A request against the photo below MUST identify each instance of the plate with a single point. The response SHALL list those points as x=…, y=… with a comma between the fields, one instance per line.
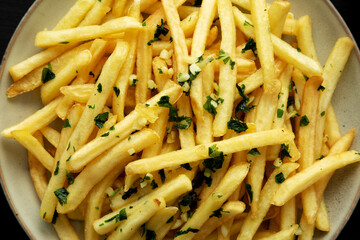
x=341, y=195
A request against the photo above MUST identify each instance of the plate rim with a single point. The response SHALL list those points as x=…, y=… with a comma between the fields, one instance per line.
x=9, y=47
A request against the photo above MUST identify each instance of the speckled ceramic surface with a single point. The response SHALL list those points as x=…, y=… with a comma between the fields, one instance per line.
x=342, y=193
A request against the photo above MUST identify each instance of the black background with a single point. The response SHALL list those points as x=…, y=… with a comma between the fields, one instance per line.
x=11, y=12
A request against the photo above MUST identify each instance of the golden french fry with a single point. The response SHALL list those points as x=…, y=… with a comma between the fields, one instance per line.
x=52, y=135
x=304, y=37
x=34, y=146
x=227, y=73
x=188, y=155
x=331, y=75
x=50, y=38
x=263, y=43
x=74, y=16
x=142, y=213
x=36, y=121
x=278, y=12
x=310, y=175
x=59, y=172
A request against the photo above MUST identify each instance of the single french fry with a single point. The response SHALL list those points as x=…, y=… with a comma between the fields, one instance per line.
x=143, y=65
x=232, y=179
x=52, y=135
x=160, y=218
x=74, y=16
x=343, y=144
x=134, y=222
x=187, y=136
x=332, y=129
x=265, y=113
x=188, y=155
x=198, y=45
x=263, y=43
x=229, y=210
x=142, y=213
x=97, y=13
x=304, y=37
x=118, y=8
x=284, y=234
x=332, y=71
x=279, y=117
x=227, y=73
x=188, y=24
x=37, y=170
x=322, y=221
x=50, y=38
x=34, y=146
x=78, y=93
x=306, y=140
x=204, y=127
x=310, y=175
x=59, y=172
x=50, y=89
x=36, y=121
x=278, y=12
x=122, y=83
x=251, y=222
x=290, y=26
x=169, y=191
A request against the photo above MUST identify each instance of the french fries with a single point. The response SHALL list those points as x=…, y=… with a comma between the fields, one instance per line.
x=182, y=120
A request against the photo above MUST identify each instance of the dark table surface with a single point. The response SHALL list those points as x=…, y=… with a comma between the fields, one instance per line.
x=11, y=12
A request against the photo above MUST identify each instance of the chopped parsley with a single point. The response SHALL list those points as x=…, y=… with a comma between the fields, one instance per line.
x=254, y=152
x=118, y=217
x=182, y=122
x=47, y=74
x=186, y=166
x=116, y=91
x=284, y=151
x=69, y=177
x=180, y=232
x=150, y=235
x=99, y=88
x=56, y=171
x=243, y=105
x=279, y=113
x=66, y=124
x=100, y=119
x=218, y=213
x=216, y=159
x=249, y=191
x=226, y=58
x=128, y=194
x=160, y=30
x=211, y=104
x=237, y=125
x=162, y=175
x=279, y=178
x=304, y=121
x=250, y=45
x=61, y=195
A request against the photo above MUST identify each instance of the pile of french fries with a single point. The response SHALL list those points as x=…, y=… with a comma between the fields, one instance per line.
x=182, y=120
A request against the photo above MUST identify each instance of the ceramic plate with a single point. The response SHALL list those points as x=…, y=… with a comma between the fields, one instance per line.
x=341, y=195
